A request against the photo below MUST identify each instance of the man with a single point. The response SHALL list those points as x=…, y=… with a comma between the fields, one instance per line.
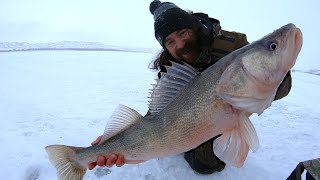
x=198, y=40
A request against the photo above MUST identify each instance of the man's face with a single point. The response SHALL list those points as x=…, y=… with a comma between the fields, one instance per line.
x=182, y=45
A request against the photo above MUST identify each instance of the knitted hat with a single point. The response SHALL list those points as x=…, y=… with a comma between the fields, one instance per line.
x=168, y=18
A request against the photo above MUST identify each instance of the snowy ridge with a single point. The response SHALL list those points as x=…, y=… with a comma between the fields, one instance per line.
x=310, y=71
x=68, y=45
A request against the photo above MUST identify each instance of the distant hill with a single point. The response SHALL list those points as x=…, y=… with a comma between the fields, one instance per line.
x=69, y=45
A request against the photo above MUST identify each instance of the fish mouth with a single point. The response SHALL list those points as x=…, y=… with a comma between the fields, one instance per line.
x=292, y=36
x=297, y=34
x=298, y=40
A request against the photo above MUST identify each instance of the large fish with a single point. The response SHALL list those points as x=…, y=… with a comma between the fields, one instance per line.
x=189, y=108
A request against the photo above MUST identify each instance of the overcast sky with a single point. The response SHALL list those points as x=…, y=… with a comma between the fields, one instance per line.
x=130, y=22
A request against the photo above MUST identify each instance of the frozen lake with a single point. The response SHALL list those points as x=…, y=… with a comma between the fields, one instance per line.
x=66, y=97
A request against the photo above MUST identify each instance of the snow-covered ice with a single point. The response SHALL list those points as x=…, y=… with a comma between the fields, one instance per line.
x=66, y=97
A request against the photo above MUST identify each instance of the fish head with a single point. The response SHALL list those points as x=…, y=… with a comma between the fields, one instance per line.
x=273, y=56
x=251, y=79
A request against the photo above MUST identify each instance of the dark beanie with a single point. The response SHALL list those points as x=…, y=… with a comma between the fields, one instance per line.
x=168, y=18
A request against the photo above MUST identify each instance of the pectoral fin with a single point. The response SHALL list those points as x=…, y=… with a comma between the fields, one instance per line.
x=233, y=146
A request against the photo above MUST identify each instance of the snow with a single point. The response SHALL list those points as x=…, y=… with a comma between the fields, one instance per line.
x=66, y=97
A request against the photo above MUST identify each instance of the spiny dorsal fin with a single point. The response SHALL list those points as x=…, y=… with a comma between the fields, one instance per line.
x=121, y=119
x=170, y=84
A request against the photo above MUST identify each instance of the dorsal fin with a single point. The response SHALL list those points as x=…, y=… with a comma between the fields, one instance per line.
x=120, y=120
x=170, y=84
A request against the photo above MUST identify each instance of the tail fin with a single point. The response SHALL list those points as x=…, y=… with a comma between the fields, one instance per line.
x=63, y=158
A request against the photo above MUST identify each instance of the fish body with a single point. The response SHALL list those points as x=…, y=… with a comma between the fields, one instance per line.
x=188, y=108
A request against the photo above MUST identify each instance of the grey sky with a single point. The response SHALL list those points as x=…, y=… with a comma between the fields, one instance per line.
x=130, y=22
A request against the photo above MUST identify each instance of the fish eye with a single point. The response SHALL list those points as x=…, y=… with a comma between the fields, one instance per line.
x=273, y=46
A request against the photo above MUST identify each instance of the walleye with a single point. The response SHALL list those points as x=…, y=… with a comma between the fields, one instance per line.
x=188, y=108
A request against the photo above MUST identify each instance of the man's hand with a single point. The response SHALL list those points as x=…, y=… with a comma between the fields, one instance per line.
x=106, y=161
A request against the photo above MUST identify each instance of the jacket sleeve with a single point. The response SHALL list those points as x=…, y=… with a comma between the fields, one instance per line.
x=242, y=41
x=148, y=113
x=285, y=87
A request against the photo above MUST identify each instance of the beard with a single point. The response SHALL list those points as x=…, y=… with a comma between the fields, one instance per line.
x=190, y=51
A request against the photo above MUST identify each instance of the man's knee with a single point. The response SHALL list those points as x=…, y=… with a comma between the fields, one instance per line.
x=202, y=159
